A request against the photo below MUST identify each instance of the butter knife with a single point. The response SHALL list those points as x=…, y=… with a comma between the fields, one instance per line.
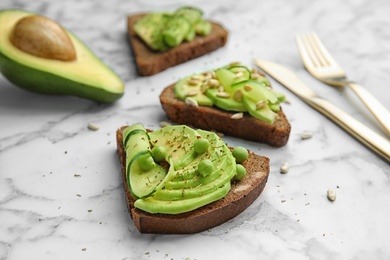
x=354, y=127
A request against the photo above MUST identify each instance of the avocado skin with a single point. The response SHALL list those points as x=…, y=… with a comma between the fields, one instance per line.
x=46, y=83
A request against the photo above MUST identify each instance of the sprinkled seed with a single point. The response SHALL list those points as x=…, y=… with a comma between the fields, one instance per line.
x=191, y=102
x=164, y=124
x=306, y=135
x=192, y=93
x=237, y=115
x=213, y=75
x=239, y=74
x=193, y=82
x=213, y=83
x=260, y=104
x=331, y=194
x=206, y=82
x=207, y=76
x=197, y=77
x=238, y=95
x=247, y=87
x=93, y=126
x=223, y=94
x=255, y=76
x=204, y=87
x=221, y=89
x=284, y=167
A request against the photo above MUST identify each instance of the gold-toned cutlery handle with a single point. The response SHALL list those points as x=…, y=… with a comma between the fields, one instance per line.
x=361, y=132
x=290, y=80
x=373, y=104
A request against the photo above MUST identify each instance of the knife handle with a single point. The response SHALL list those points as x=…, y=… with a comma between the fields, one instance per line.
x=376, y=108
x=358, y=130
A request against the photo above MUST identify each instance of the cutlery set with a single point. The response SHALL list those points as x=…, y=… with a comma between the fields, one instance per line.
x=321, y=65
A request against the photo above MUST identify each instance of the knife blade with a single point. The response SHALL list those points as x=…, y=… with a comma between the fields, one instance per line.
x=362, y=133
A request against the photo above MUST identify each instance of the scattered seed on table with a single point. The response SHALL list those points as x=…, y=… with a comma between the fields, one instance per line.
x=93, y=126
x=331, y=194
x=164, y=124
x=284, y=167
x=306, y=135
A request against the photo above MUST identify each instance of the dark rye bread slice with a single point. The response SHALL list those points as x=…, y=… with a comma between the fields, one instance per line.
x=212, y=118
x=241, y=196
x=150, y=62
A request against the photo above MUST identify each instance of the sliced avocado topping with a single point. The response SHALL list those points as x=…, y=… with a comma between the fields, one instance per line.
x=81, y=74
x=149, y=28
x=175, y=30
x=162, y=31
x=200, y=171
x=202, y=27
x=143, y=182
x=191, y=87
x=192, y=14
x=233, y=88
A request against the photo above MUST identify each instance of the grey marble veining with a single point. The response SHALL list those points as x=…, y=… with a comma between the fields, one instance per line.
x=61, y=191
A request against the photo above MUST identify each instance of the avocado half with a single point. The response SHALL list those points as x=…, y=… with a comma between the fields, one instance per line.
x=86, y=77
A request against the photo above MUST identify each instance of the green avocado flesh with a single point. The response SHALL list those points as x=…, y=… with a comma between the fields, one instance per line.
x=86, y=77
x=232, y=88
x=180, y=188
x=161, y=31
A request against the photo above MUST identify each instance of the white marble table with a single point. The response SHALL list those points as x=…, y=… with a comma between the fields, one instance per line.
x=61, y=194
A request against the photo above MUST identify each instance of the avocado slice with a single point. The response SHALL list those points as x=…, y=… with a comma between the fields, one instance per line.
x=185, y=86
x=86, y=76
x=144, y=182
x=185, y=189
x=177, y=140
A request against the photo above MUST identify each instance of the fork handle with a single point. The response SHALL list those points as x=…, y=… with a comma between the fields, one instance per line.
x=373, y=104
x=354, y=127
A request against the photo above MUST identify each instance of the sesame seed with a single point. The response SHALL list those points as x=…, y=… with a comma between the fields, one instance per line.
x=237, y=116
x=306, y=135
x=191, y=102
x=213, y=83
x=164, y=124
x=255, y=76
x=331, y=194
x=284, y=167
x=247, y=87
x=223, y=94
x=260, y=104
x=192, y=93
x=93, y=126
x=193, y=82
x=239, y=74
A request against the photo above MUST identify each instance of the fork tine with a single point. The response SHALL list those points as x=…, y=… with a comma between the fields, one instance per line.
x=321, y=50
x=313, y=45
x=306, y=54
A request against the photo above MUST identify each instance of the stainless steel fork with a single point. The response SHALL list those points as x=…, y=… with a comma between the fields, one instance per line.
x=322, y=66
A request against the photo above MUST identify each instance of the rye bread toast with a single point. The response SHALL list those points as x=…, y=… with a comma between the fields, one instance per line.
x=241, y=196
x=151, y=62
x=213, y=118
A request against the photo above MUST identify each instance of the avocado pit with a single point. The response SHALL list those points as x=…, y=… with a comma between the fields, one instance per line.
x=42, y=37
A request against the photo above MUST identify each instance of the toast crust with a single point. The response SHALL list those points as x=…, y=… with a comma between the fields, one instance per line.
x=212, y=118
x=241, y=196
x=150, y=62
